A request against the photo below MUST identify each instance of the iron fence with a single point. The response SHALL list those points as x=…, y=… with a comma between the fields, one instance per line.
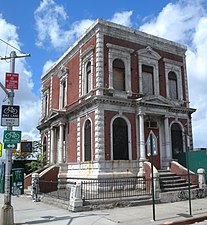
x=91, y=189
x=113, y=188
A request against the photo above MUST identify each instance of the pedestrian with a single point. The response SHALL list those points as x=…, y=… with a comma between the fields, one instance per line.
x=34, y=190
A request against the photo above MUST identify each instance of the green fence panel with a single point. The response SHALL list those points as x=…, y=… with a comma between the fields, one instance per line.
x=197, y=160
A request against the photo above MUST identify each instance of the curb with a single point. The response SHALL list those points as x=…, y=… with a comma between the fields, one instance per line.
x=186, y=221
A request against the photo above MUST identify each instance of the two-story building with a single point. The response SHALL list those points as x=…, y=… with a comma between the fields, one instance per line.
x=102, y=100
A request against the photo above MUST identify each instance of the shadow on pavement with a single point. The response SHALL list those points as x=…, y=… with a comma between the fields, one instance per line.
x=48, y=219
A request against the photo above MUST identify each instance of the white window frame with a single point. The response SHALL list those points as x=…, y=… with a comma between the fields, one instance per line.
x=119, y=52
x=149, y=57
x=63, y=80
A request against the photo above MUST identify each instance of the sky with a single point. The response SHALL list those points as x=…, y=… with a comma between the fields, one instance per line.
x=46, y=29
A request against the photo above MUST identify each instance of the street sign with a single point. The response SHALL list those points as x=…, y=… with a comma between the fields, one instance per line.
x=11, y=81
x=10, y=146
x=10, y=115
x=12, y=137
x=0, y=149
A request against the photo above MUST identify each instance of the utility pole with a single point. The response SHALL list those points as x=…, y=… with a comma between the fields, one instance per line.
x=7, y=215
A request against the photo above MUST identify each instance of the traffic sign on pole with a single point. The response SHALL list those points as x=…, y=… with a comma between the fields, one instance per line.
x=11, y=81
x=12, y=137
x=10, y=146
x=10, y=115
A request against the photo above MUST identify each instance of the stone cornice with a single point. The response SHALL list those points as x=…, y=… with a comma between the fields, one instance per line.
x=95, y=100
x=134, y=103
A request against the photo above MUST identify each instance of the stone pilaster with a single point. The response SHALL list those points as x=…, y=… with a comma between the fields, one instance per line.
x=99, y=135
x=99, y=63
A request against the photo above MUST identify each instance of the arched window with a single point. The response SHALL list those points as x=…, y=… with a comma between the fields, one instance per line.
x=147, y=80
x=120, y=140
x=177, y=140
x=87, y=141
x=173, y=88
x=118, y=75
x=88, y=77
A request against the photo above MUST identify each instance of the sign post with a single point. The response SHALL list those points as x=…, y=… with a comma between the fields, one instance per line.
x=152, y=175
x=7, y=214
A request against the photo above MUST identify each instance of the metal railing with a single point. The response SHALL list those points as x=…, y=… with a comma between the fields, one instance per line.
x=91, y=189
x=113, y=188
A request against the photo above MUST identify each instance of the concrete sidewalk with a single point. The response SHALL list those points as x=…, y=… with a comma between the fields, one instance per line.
x=28, y=212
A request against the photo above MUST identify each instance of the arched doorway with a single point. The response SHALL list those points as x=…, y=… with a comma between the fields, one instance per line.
x=120, y=140
x=177, y=140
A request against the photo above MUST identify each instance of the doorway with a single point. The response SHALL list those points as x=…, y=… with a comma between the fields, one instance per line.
x=177, y=140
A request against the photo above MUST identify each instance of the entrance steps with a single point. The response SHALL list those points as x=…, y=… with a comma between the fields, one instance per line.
x=170, y=181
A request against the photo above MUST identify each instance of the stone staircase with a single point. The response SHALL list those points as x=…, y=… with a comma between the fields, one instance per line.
x=171, y=182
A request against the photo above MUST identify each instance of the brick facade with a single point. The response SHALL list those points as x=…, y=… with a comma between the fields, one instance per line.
x=119, y=85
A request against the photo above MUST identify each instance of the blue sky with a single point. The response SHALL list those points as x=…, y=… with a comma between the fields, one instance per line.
x=45, y=29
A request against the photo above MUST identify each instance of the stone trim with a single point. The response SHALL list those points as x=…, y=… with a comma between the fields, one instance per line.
x=78, y=140
x=99, y=135
x=99, y=63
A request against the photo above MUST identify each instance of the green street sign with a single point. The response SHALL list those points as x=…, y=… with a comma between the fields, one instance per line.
x=10, y=146
x=12, y=137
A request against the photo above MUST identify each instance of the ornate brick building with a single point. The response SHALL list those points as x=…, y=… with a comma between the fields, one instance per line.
x=104, y=97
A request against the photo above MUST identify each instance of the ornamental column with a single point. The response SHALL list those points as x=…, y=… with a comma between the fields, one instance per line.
x=142, y=158
x=52, y=150
x=167, y=141
x=60, y=152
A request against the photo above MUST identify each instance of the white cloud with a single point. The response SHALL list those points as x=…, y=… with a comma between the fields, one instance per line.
x=79, y=27
x=24, y=96
x=186, y=22
x=50, y=19
x=176, y=21
x=123, y=18
x=47, y=65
